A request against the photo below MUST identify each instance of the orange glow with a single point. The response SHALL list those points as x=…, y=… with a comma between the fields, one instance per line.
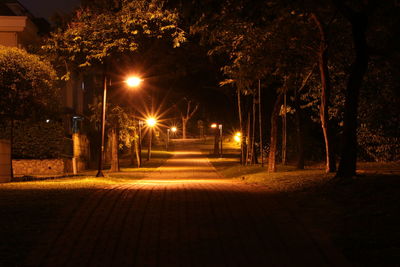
x=173, y=129
x=214, y=125
x=133, y=81
x=151, y=122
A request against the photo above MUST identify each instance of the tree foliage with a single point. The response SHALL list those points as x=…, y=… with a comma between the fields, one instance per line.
x=94, y=36
x=27, y=86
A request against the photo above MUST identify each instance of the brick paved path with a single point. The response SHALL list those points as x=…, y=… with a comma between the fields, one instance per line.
x=184, y=215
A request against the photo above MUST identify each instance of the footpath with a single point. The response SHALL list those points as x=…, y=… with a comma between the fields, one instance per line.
x=184, y=214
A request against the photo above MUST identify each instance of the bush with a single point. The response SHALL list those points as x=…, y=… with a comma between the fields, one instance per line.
x=38, y=140
x=375, y=146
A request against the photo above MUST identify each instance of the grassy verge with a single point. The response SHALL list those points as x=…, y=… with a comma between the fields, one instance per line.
x=361, y=217
x=131, y=172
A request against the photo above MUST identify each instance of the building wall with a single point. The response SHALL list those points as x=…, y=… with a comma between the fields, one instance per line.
x=9, y=39
x=26, y=167
x=17, y=31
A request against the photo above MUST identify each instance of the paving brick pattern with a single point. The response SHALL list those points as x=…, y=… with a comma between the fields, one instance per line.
x=184, y=215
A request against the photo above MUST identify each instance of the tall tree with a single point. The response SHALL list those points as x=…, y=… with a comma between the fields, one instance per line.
x=325, y=94
x=187, y=115
x=27, y=88
x=358, y=21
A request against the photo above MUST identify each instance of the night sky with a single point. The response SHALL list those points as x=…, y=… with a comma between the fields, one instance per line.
x=46, y=8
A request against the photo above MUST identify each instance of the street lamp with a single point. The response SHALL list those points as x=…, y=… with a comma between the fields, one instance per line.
x=220, y=137
x=131, y=81
x=173, y=130
x=151, y=122
x=238, y=137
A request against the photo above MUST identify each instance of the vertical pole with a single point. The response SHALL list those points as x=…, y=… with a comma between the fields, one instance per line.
x=166, y=146
x=140, y=143
x=103, y=127
x=220, y=137
x=260, y=123
x=284, y=130
x=149, y=146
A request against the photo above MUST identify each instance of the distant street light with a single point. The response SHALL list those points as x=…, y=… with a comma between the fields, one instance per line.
x=214, y=126
x=132, y=81
x=151, y=122
x=173, y=129
x=238, y=137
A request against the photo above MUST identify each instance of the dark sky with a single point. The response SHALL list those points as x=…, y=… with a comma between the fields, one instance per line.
x=46, y=8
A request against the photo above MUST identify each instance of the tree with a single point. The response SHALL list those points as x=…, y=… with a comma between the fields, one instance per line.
x=358, y=21
x=185, y=117
x=120, y=128
x=94, y=37
x=325, y=94
x=27, y=88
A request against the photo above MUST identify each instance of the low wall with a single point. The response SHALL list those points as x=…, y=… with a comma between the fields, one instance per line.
x=22, y=167
x=5, y=168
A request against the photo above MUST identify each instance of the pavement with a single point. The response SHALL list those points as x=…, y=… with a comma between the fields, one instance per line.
x=184, y=214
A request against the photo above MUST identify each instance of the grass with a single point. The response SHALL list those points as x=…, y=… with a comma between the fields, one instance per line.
x=361, y=217
x=131, y=172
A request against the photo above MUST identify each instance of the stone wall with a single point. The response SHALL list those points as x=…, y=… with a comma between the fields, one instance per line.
x=5, y=168
x=22, y=167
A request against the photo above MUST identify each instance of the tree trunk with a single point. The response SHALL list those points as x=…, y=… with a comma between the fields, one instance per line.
x=239, y=102
x=260, y=124
x=253, y=134
x=284, y=130
x=274, y=134
x=348, y=160
x=184, y=123
x=114, y=151
x=249, y=145
x=325, y=94
x=299, y=133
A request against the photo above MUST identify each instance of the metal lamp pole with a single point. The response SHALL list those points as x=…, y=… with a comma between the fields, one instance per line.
x=103, y=128
x=131, y=82
x=166, y=146
x=220, y=137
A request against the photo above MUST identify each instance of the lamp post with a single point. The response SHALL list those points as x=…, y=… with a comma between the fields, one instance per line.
x=216, y=138
x=140, y=123
x=151, y=122
x=132, y=81
x=220, y=138
x=166, y=144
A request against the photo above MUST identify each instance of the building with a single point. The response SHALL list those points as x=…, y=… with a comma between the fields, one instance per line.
x=18, y=27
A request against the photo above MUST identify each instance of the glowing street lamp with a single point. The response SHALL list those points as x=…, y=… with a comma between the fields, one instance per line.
x=151, y=122
x=238, y=137
x=173, y=130
x=214, y=125
x=131, y=82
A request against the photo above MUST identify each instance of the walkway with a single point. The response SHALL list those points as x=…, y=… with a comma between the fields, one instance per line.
x=184, y=215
